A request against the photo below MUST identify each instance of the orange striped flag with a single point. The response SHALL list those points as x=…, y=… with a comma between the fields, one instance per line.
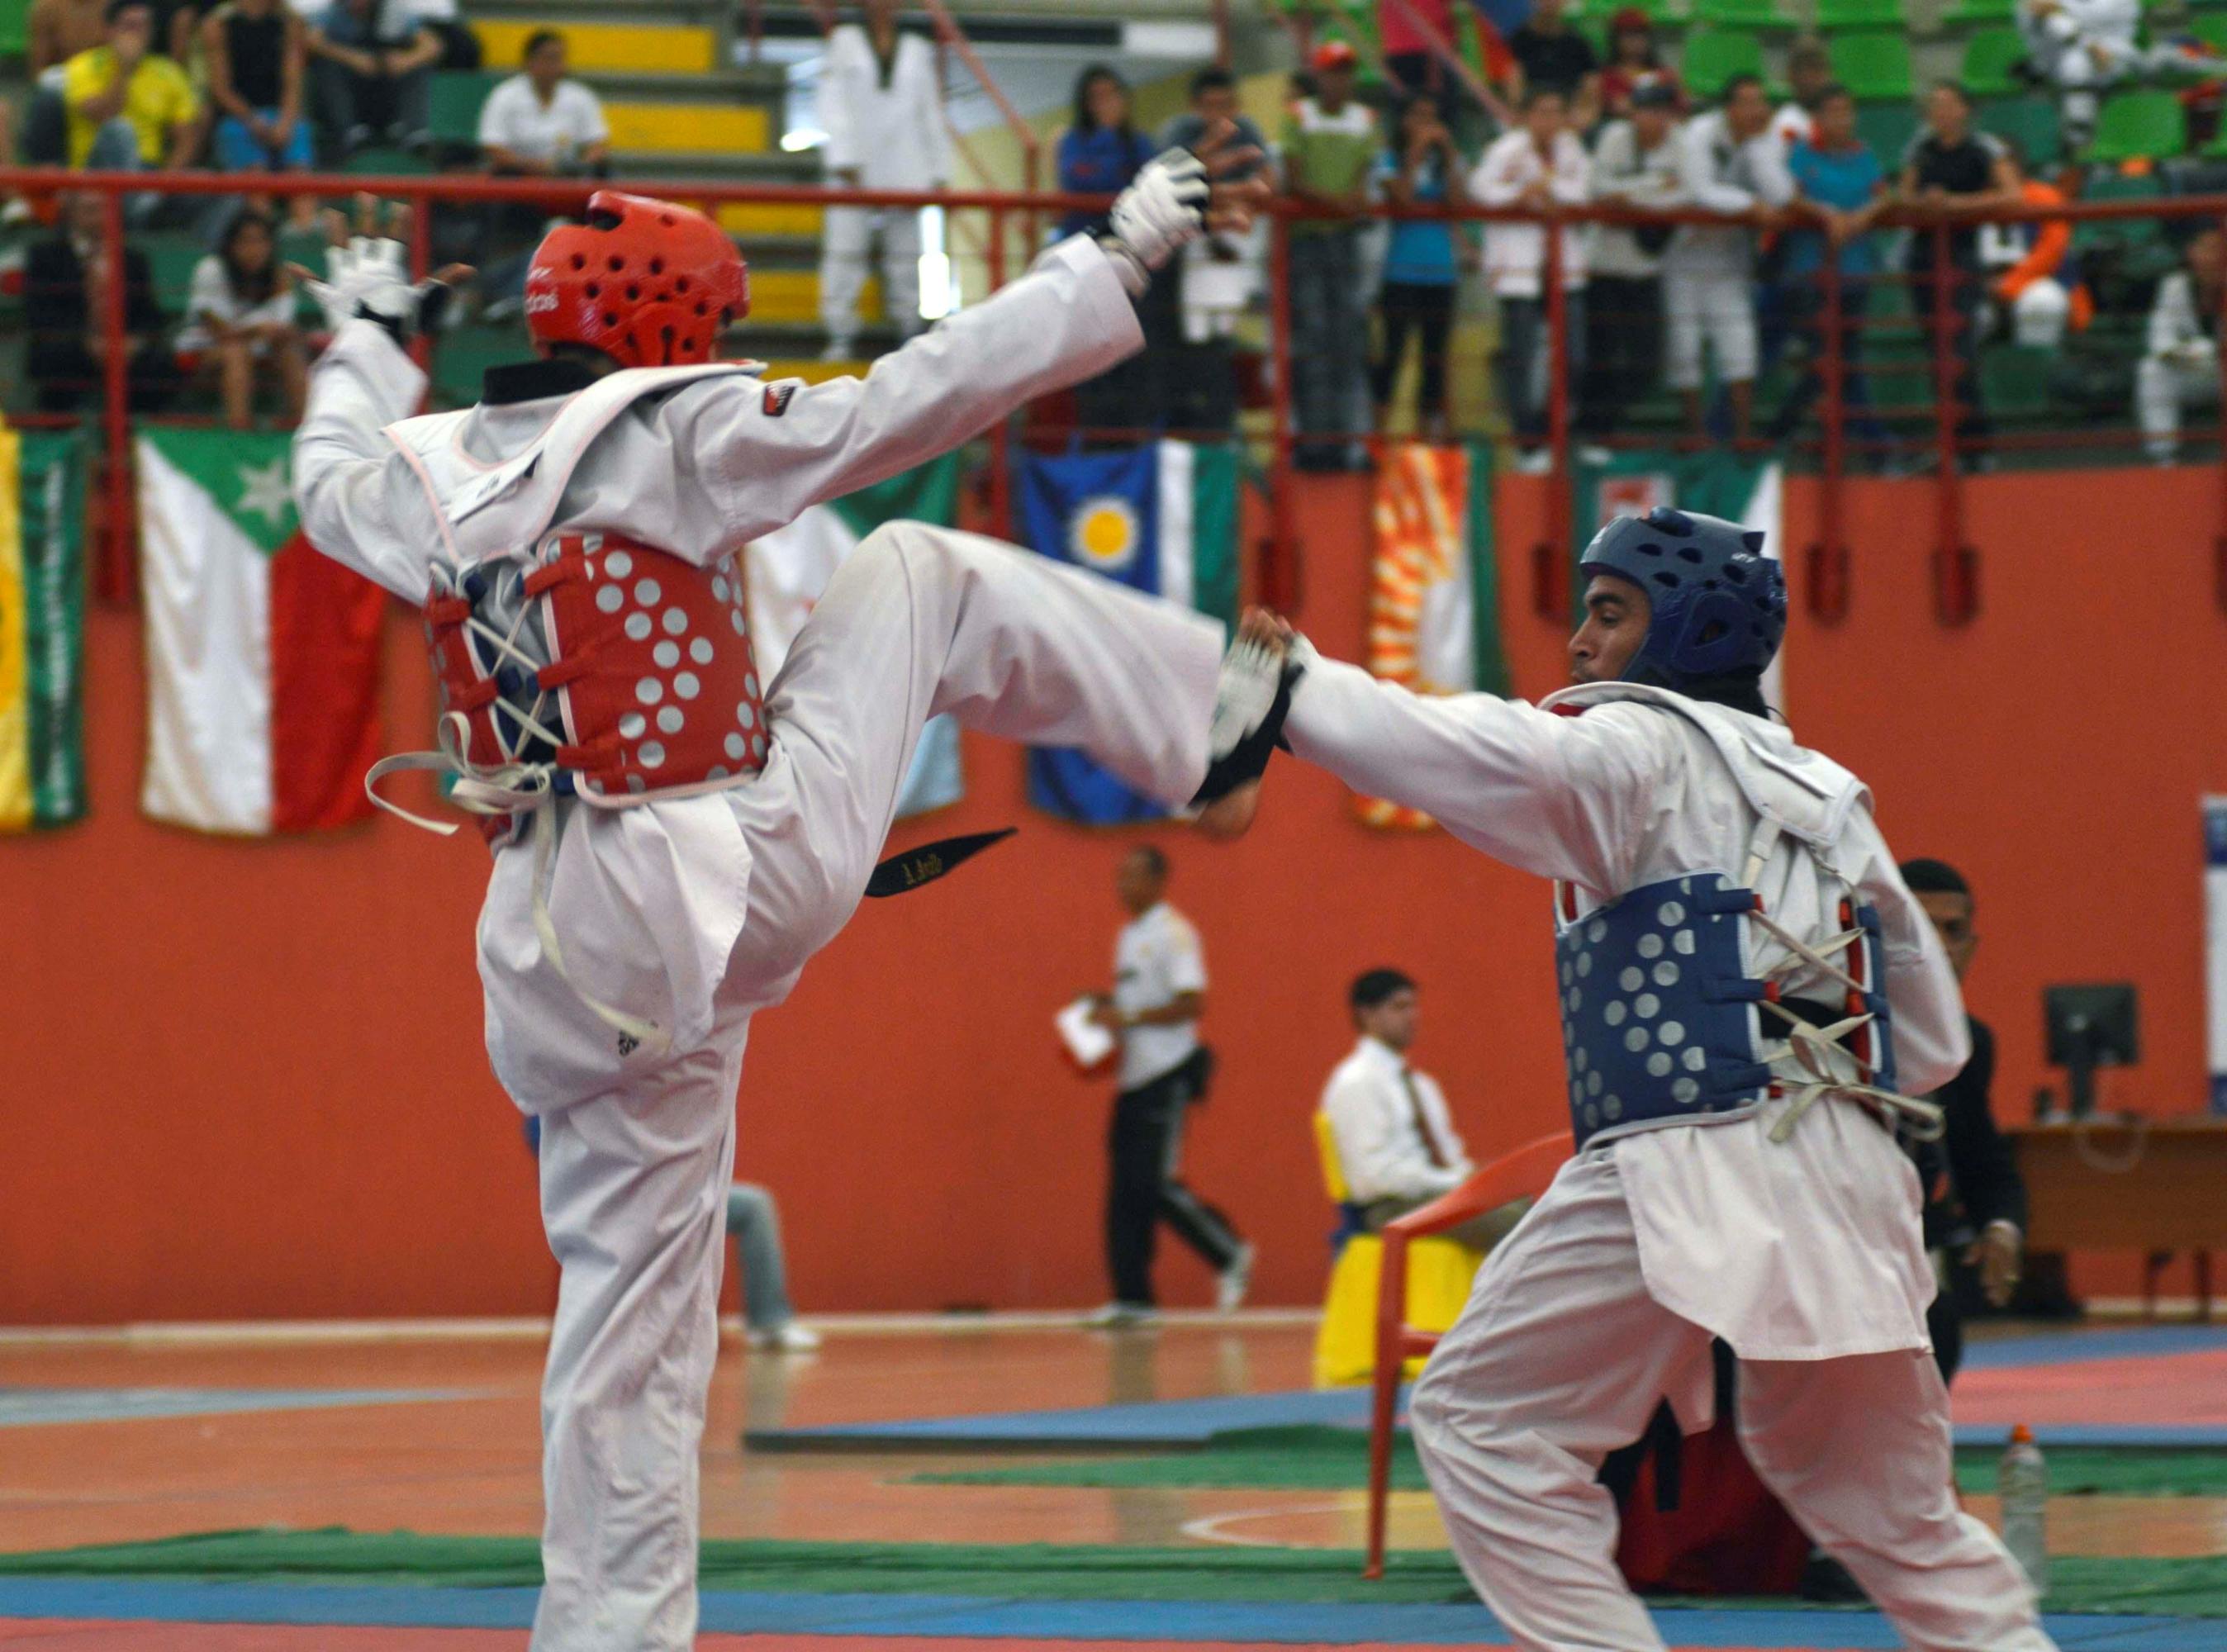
x=1434, y=609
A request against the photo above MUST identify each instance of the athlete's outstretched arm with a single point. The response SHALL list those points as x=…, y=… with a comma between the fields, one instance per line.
x=349, y=480
x=1559, y=796
x=763, y=455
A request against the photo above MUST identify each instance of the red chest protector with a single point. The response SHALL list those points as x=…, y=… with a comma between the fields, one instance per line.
x=595, y=666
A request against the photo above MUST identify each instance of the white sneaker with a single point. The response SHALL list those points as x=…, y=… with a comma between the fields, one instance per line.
x=1235, y=1280
x=791, y=1338
x=1121, y=1316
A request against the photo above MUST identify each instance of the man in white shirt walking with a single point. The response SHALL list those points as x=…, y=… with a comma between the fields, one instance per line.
x=880, y=105
x=1397, y=1146
x=1160, y=993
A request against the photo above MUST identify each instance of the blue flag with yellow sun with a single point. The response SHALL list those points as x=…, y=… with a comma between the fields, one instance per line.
x=1162, y=519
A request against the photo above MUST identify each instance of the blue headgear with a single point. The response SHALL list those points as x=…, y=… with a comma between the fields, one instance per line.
x=1718, y=604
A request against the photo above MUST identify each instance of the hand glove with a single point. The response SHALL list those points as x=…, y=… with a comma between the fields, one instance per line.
x=369, y=278
x=1164, y=207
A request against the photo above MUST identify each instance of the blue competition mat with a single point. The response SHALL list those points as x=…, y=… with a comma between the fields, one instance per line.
x=25, y=1408
x=957, y=1616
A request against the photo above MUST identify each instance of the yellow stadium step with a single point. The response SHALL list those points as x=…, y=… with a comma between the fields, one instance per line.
x=793, y=295
x=608, y=48
x=686, y=128
x=747, y=218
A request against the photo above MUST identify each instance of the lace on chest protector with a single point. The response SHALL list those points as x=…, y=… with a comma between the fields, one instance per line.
x=1665, y=1016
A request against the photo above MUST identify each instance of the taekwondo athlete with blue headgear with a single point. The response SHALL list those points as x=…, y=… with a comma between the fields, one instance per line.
x=1749, y=997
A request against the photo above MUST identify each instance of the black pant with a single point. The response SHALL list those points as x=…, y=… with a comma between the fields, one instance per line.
x=1145, y=1146
x=1427, y=310
x=1623, y=348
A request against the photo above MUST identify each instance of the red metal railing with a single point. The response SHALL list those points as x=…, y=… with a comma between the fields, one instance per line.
x=1955, y=561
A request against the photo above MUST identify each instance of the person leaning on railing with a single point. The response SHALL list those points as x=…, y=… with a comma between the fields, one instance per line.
x=2180, y=365
x=1330, y=143
x=1635, y=163
x=1422, y=261
x=1540, y=165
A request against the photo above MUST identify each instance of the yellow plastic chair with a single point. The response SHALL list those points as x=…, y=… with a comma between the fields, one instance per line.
x=1439, y=1273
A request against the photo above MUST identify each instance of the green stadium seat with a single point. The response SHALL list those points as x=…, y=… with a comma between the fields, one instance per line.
x=171, y=257
x=2212, y=29
x=1662, y=13
x=2028, y=124
x=2148, y=126
x=387, y=163
x=1712, y=56
x=2120, y=233
x=1742, y=14
x=456, y=96
x=1979, y=14
x=1833, y=15
x=1990, y=57
x=1888, y=128
x=1873, y=64
x=2014, y=380
x=15, y=28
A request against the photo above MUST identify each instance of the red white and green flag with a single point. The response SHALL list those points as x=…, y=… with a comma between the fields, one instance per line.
x=262, y=655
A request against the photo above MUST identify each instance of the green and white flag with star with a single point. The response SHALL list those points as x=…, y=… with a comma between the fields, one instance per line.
x=262, y=655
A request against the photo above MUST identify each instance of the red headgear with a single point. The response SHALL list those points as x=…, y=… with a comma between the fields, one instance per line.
x=648, y=283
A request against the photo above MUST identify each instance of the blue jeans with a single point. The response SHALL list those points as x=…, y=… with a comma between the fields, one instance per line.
x=755, y=1227
x=239, y=149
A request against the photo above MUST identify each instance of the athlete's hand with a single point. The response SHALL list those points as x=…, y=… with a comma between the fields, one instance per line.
x=1995, y=1254
x=367, y=275
x=1182, y=194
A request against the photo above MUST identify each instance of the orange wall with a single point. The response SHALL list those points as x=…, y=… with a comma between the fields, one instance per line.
x=245, y=1079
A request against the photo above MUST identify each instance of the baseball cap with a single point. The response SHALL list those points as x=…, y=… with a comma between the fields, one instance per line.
x=1334, y=54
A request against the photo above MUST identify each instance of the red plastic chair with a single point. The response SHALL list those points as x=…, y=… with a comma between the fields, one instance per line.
x=1523, y=1174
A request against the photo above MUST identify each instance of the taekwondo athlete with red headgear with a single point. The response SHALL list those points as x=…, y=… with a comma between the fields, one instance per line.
x=1750, y=999
x=674, y=838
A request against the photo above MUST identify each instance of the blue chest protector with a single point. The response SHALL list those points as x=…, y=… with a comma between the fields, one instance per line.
x=1662, y=1021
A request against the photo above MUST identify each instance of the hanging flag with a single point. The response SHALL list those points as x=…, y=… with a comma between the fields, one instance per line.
x=788, y=568
x=1162, y=519
x=41, y=630
x=262, y=655
x=1434, y=598
x=2215, y=944
x=1746, y=491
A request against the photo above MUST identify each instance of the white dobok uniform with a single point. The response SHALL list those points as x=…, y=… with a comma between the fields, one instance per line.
x=1805, y=1255
x=2084, y=46
x=695, y=912
x=892, y=134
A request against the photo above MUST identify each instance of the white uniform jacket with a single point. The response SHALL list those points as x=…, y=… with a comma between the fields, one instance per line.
x=1805, y=1249
x=649, y=900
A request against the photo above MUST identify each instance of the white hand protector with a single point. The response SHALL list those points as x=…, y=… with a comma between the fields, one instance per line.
x=1164, y=207
x=369, y=277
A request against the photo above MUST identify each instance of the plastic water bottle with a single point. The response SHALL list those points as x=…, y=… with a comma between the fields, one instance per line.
x=2023, y=1482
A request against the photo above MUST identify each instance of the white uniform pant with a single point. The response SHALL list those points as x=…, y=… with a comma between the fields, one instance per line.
x=633, y=1182
x=847, y=233
x=1715, y=306
x=2162, y=388
x=1560, y=1358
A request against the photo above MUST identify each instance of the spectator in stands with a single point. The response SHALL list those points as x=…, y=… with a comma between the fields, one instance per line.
x=1097, y=155
x=131, y=109
x=56, y=31
x=1101, y=148
x=1220, y=278
x=769, y=1319
x=1551, y=56
x=1330, y=147
x=372, y=65
x=1542, y=166
x=1808, y=72
x=2039, y=288
x=460, y=48
x=1953, y=170
x=1422, y=265
x=880, y=105
x=1727, y=164
x=1635, y=59
x=240, y=322
x=65, y=284
x=2181, y=363
x=541, y=123
x=1841, y=189
x=1635, y=163
x=2083, y=47
x=257, y=55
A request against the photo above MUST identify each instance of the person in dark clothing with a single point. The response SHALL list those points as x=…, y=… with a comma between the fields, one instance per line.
x=1422, y=264
x=1098, y=155
x=370, y=63
x=1551, y=56
x=1975, y=1209
x=64, y=280
x=1951, y=166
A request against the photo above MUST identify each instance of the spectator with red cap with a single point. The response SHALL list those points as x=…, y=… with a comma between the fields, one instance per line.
x=1635, y=59
x=1330, y=147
